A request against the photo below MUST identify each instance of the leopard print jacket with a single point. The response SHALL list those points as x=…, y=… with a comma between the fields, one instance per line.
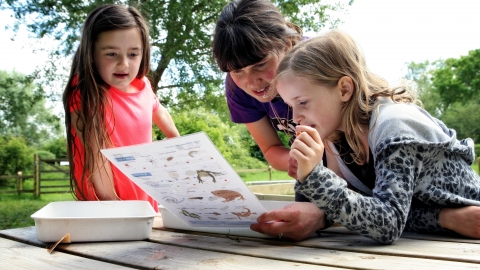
x=416, y=158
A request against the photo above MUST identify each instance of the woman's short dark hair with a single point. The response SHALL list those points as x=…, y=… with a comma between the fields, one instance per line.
x=247, y=31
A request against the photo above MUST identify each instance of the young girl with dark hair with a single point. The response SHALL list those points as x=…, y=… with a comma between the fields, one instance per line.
x=109, y=102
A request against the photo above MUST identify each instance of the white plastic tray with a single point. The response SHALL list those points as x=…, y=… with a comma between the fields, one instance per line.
x=171, y=221
x=91, y=221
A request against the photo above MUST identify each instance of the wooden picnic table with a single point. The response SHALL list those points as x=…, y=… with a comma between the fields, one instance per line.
x=174, y=249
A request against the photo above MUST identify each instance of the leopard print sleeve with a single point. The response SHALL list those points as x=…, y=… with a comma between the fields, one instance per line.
x=424, y=220
x=381, y=217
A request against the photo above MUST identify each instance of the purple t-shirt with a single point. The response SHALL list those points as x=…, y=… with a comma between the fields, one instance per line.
x=246, y=109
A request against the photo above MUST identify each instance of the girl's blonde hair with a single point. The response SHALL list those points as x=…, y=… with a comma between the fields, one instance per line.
x=85, y=81
x=326, y=59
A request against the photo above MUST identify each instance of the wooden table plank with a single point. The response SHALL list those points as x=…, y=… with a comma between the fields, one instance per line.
x=144, y=254
x=16, y=255
x=409, y=235
x=306, y=252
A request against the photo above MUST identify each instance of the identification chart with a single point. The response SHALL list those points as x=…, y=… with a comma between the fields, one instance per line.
x=188, y=176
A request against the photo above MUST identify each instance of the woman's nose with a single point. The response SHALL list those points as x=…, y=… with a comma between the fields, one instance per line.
x=253, y=80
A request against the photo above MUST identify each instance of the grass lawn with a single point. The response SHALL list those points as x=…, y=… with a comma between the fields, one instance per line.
x=16, y=210
x=264, y=176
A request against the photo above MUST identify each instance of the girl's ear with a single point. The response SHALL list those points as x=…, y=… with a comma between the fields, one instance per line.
x=346, y=87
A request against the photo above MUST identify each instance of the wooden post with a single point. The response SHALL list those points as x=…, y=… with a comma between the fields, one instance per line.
x=19, y=183
x=36, y=175
x=270, y=172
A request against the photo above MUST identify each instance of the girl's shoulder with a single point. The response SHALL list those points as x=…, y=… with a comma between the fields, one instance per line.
x=393, y=120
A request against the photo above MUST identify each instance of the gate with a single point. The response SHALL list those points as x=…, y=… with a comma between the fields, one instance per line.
x=50, y=176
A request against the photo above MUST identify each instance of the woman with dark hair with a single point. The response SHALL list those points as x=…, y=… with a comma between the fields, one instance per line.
x=251, y=38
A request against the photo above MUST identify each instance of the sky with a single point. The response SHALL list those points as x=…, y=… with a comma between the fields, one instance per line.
x=390, y=32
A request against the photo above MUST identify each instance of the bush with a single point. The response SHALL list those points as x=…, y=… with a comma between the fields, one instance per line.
x=230, y=140
x=15, y=155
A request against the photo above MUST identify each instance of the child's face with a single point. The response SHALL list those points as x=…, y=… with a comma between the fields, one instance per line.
x=313, y=105
x=255, y=79
x=117, y=56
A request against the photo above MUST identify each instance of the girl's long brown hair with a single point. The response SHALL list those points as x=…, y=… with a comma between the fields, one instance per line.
x=93, y=91
x=327, y=58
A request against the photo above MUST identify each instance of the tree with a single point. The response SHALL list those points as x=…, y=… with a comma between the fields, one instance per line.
x=15, y=155
x=232, y=141
x=464, y=118
x=421, y=75
x=450, y=91
x=22, y=110
x=181, y=33
x=458, y=80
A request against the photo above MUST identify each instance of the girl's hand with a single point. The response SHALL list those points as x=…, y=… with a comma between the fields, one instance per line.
x=307, y=150
x=292, y=167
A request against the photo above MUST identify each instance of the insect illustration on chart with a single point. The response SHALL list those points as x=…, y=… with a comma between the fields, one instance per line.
x=151, y=160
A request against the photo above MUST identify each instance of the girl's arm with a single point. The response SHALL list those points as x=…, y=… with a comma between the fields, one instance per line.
x=381, y=217
x=266, y=137
x=162, y=118
x=101, y=173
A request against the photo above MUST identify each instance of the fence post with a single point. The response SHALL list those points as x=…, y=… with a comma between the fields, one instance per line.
x=270, y=172
x=19, y=183
x=36, y=175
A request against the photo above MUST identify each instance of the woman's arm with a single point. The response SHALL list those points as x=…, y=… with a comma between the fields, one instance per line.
x=101, y=172
x=272, y=147
x=162, y=118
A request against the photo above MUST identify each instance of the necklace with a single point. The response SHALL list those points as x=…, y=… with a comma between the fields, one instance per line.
x=284, y=126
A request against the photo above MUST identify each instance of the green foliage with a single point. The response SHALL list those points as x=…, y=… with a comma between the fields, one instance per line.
x=22, y=109
x=450, y=91
x=464, y=118
x=181, y=33
x=15, y=155
x=421, y=74
x=58, y=147
x=477, y=151
x=458, y=80
x=16, y=210
x=229, y=140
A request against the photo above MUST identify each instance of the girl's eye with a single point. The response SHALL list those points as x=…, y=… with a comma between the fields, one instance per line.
x=133, y=54
x=111, y=54
x=303, y=103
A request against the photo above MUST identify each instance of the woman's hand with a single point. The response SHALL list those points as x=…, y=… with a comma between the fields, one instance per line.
x=295, y=221
x=307, y=150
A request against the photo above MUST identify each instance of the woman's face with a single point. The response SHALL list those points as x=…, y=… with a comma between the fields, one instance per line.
x=255, y=79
